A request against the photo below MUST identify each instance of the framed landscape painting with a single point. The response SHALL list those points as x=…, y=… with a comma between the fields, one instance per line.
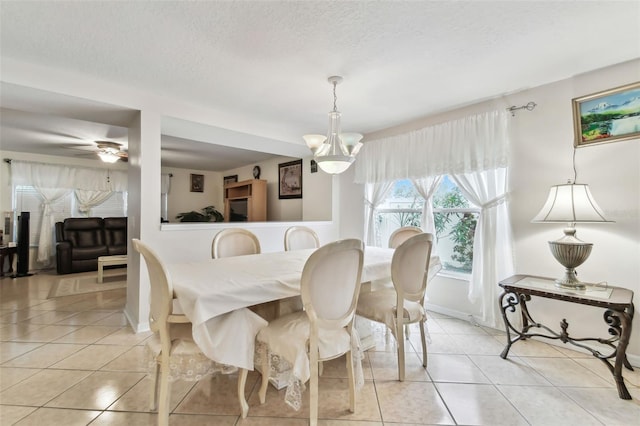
x=609, y=116
x=290, y=179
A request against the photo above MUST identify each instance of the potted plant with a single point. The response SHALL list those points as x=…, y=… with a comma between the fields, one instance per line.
x=206, y=214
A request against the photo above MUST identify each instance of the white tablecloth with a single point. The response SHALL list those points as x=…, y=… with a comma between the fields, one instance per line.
x=214, y=295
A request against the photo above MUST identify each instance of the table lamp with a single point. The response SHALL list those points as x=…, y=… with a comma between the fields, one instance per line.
x=570, y=203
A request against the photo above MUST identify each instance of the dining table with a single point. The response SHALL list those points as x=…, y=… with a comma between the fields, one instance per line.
x=215, y=295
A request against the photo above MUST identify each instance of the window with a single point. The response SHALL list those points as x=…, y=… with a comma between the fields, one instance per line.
x=114, y=206
x=455, y=221
x=402, y=207
x=27, y=199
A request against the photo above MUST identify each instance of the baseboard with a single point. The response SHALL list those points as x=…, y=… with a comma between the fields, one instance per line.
x=137, y=327
x=449, y=312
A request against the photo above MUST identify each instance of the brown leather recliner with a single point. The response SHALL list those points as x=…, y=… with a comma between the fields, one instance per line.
x=80, y=241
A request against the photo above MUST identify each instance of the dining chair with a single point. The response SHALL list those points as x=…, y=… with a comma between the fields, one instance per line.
x=176, y=354
x=329, y=286
x=404, y=304
x=234, y=242
x=401, y=234
x=300, y=237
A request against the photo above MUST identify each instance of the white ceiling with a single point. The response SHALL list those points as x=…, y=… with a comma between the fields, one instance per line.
x=262, y=66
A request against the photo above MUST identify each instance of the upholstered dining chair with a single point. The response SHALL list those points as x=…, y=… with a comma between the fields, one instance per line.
x=176, y=354
x=300, y=237
x=234, y=242
x=330, y=285
x=403, y=304
x=401, y=234
x=398, y=237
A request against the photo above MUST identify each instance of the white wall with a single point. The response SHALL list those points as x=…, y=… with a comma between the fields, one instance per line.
x=181, y=199
x=542, y=147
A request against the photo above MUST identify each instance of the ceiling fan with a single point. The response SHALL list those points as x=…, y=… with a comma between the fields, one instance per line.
x=110, y=152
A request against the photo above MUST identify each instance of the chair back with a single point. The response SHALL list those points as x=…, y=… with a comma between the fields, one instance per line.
x=401, y=235
x=161, y=286
x=410, y=265
x=299, y=238
x=330, y=283
x=234, y=242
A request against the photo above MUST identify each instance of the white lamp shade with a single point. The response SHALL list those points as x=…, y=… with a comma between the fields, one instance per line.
x=570, y=203
x=334, y=164
x=352, y=142
x=314, y=141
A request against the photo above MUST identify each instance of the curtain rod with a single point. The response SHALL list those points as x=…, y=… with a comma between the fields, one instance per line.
x=529, y=107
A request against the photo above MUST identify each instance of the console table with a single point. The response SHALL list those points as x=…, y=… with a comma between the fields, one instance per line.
x=617, y=302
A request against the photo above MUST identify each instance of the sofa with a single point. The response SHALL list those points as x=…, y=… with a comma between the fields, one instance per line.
x=80, y=241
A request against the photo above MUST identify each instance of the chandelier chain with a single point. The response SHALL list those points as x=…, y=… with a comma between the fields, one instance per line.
x=335, y=98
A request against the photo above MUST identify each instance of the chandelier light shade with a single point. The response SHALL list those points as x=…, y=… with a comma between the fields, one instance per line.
x=108, y=156
x=109, y=152
x=335, y=152
x=570, y=203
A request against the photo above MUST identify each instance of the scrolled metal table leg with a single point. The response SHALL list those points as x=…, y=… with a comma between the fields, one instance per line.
x=511, y=302
x=620, y=322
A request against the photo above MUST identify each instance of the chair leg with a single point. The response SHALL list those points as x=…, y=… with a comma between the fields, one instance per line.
x=400, y=342
x=406, y=331
x=153, y=405
x=313, y=388
x=266, y=367
x=424, y=343
x=352, y=382
x=242, y=381
x=163, y=408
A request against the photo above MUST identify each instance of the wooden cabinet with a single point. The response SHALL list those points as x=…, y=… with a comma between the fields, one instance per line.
x=245, y=201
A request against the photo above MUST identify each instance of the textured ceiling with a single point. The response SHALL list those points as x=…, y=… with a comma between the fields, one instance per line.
x=262, y=65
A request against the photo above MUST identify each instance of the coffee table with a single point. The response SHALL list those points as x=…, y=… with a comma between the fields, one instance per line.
x=103, y=261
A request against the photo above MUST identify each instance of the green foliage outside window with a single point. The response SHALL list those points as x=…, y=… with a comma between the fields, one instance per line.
x=458, y=226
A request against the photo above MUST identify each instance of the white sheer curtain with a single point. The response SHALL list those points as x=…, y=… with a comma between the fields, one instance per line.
x=56, y=181
x=492, y=246
x=426, y=187
x=478, y=142
x=45, y=244
x=165, y=183
x=374, y=194
x=88, y=199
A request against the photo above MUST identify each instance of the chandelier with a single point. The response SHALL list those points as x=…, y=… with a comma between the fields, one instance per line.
x=335, y=152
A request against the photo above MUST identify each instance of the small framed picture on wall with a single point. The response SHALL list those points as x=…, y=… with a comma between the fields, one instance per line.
x=290, y=179
x=229, y=179
x=197, y=183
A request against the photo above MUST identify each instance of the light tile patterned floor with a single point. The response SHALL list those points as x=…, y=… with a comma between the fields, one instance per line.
x=74, y=361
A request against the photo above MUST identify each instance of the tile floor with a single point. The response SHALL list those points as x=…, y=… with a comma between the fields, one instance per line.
x=74, y=361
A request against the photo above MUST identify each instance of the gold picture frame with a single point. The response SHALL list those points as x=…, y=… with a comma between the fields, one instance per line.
x=609, y=116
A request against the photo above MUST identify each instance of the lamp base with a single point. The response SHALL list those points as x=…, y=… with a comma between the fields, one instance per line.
x=571, y=253
x=570, y=281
